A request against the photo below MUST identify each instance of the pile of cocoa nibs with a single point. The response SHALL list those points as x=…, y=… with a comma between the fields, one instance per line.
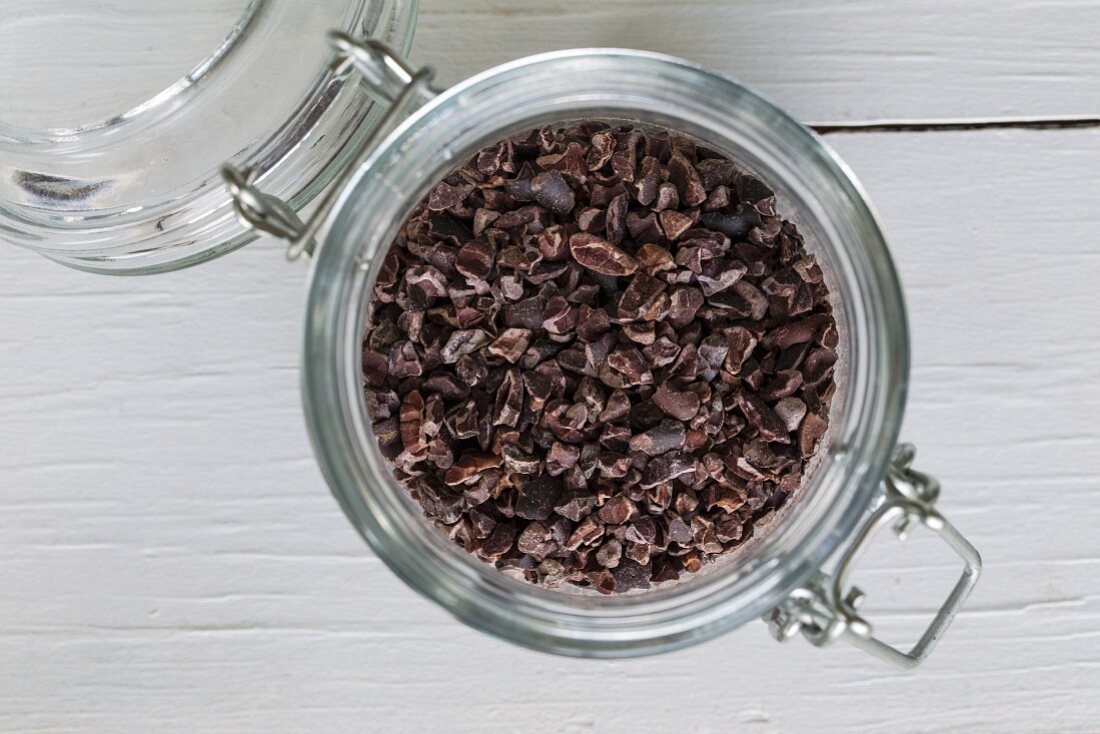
x=597, y=356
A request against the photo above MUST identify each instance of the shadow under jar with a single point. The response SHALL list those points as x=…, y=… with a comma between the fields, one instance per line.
x=383, y=166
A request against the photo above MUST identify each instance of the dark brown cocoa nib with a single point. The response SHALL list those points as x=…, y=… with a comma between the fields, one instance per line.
x=597, y=356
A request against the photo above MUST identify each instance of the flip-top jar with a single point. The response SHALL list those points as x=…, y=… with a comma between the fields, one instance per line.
x=142, y=193
x=132, y=185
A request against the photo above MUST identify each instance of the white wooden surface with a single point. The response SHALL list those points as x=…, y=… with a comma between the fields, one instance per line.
x=171, y=561
x=834, y=61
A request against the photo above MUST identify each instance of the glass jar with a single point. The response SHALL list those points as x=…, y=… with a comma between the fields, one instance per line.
x=140, y=192
x=859, y=483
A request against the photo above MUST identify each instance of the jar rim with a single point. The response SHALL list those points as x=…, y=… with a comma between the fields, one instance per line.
x=390, y=182
x=144, y=112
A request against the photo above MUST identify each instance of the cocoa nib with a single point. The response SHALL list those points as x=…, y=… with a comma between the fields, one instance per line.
x=663, y=437
x=760, y=415
x=680, y=405
x=598, y=356
x=552, y=191
x=618, y=510
x=536, y=498
x=600, y=256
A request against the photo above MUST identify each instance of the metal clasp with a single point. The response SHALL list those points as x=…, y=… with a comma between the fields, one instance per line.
x=390, y=81
x=825, y=609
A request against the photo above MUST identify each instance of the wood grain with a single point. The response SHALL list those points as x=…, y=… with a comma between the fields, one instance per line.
x=826, y=62
x=171, y=560
x=845, y=61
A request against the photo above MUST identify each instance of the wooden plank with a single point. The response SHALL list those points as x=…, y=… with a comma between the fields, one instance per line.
x=840, y=61
x=171, y=561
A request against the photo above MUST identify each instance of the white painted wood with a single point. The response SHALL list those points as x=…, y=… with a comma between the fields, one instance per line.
x=170, y=558
x=836, y=61
x=65, y=63
x=171, y=561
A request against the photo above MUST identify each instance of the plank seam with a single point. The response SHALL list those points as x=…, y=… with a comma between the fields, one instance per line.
x=1069, y=123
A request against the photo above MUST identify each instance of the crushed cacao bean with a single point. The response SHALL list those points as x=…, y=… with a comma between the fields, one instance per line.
x=598, y=356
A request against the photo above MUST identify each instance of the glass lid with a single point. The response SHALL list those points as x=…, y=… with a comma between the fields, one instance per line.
x=116, y=117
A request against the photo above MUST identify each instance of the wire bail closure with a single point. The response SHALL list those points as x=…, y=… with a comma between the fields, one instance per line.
x=388, y=80
x=825, y=608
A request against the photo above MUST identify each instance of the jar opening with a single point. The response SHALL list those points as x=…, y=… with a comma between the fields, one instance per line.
x=140, y=191
x=109, y=64
x=613, y=86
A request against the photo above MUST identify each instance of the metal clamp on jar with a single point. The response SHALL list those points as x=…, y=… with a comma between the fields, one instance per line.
x=386, y=163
